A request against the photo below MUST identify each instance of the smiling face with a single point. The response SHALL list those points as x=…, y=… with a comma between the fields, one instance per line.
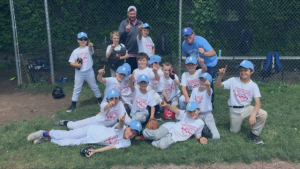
x=120, y=77
x=129, y=133
x=131, y=15
x=245, y=73
x=194, y=114
x=190, y=40
x=142, y=62
x=115, y=39
x=143, y=85
x=202, y=82
x=83, y=42
x=166, y=70
x=191, y=67
x=145, y=32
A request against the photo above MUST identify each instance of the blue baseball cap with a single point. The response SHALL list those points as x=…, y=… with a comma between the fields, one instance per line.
x=143, y=78
x=206, y=76
x=145, y=25
x=191, y=106
x=128, y=68
x=154, y=58
x=135, y=125
x=186, y=31
x=122, y=70
x=82, y=34
x=246, y=64
x=112, y=93
x=191, y=59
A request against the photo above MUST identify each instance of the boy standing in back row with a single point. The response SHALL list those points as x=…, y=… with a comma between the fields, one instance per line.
x=242, y=90
x=145, y=43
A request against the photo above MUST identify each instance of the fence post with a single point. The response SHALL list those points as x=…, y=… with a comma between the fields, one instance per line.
x=49, y=41
x=179, y=39
x=16, y=45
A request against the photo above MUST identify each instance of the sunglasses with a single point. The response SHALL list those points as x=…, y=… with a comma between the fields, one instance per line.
x=186, y=36
x=83, y=39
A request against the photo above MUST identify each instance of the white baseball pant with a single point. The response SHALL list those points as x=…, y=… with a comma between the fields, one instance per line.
x=161, y=136
x=69, y=138
x=209, y=120
x=140, y=116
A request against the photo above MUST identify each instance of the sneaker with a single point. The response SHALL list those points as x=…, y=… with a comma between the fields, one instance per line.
x=99, y=100
x=35, y=135
x=140, y=138
x=157, y=116
x=256, y=139
x=71, y=108
x=60, y=123
x=40, y=140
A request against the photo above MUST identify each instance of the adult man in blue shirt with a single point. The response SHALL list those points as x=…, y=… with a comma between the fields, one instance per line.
x=194, y=45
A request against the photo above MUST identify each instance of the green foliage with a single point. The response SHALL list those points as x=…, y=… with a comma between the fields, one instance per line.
x=6, y=38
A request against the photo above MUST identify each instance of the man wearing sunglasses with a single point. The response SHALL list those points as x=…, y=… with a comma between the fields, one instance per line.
x=128, y=30
x=194, y=45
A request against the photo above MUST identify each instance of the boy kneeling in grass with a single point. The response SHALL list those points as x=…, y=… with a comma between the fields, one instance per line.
x=169, y=133
x=114, y=137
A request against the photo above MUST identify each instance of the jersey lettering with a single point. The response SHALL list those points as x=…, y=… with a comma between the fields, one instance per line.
x=187, y=129
x=199, y=99
x=241, y=94
x=111, y=115
x=112, y=140
x=83, y=56
x=140, y=102
x=169, y=88
x=193, y=84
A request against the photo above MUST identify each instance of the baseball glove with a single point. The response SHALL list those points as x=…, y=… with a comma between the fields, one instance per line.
x=152, y=124
x=84, y=152
x=78, y=60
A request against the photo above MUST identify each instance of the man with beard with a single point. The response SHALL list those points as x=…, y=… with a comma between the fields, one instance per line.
x=129, y=30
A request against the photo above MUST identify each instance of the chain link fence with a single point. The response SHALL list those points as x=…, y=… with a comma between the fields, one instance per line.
x=236, y=29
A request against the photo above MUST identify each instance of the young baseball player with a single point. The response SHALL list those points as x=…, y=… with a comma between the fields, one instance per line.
x=116, y=53
x=169, y=84
x=242, y=91
x=113, y=82
x=126, y=91
x=171, y=132
x=202, y=96
x=111, y=109
x=83, y=71
x=141, y=99
x=145, y=43
x=190, y=79
x=114, y=137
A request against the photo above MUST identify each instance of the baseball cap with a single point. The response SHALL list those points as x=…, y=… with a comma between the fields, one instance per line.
x=206, y=76
x=131, y=7
x=246, y=64
x=135, y=125
x=82, y=34
x=128, y=68
x=122, y=70
x=143, y=78
x=186, y=31
x=112, y=93
x=145, y=25
x=154, y=58
x=190, y=59
x=191, y=106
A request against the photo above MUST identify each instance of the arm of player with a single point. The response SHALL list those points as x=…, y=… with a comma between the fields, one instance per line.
x=100, y=150
x=185, y=94
x=252, y=118
x=112, y=47
x=152, y=112
x=140, y=31
x=219, y=83
x=170, y=107
x=131, y=85
x=202, y=140
x=101, y=72
x=164, y=93
x=208, y=89
x=153, y=50
x=209, y=53
x=121, y=122
x=201, y=62
x=126, y=56
x=90, y=44
x=75, y=65
x=177, y=82
x=155, y=69
x=122, y=100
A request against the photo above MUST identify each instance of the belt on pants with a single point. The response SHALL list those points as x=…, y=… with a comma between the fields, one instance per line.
x=239, y=107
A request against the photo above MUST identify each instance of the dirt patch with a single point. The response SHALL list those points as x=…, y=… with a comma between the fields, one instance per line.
x=18, y=104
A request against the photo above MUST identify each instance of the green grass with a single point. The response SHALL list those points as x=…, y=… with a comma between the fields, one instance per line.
x=280, y=134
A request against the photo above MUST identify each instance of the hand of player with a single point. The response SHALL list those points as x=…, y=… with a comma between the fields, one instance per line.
x=128, y=27
x=90, y=44
x=201, y=51
x=140, y=27
x=102, y=71
x=200, y=60
x=187, y=100
x=222, y=71
x=154, y=68
x=203, y=140
x=92, y=151
x=131, y=76
x=112, y=103
x=207, y=83
x=252, y=119
x=163, y=104
x=112, y=47
x=122, y=118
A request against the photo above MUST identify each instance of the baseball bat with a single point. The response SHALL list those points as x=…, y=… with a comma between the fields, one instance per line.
x=25, y=68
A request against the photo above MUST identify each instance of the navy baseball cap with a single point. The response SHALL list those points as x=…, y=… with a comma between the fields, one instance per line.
x=113, y=93
x=146, y=25
x=186, y=31
x=246, y=64
x=82, y=34
x=135, y=125
x=143, y=78
x=191, y=59
x=191, y=106
x=154, y=58
x=206, y=76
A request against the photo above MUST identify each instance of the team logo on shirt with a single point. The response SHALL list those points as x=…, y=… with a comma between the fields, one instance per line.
x=140, y=102
x=111, y=115
x=187, y=129
x=136, y=77
x=126, y=86
x=148, y=44
x=112, y=140
x=169, y=87
x=199, y=99
x=193, y=83
x=119, y=88
x=241, y=94
x=83, y=56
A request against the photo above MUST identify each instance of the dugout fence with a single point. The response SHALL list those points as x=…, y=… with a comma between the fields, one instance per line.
x=45, y=33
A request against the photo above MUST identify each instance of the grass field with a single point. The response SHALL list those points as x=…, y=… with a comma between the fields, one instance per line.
x=280, y=134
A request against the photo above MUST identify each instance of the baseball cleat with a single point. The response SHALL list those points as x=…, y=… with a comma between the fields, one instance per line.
x=99, y=100
x=71, y=108
x=59, y=123
x=35, y=135
x=256, y=139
